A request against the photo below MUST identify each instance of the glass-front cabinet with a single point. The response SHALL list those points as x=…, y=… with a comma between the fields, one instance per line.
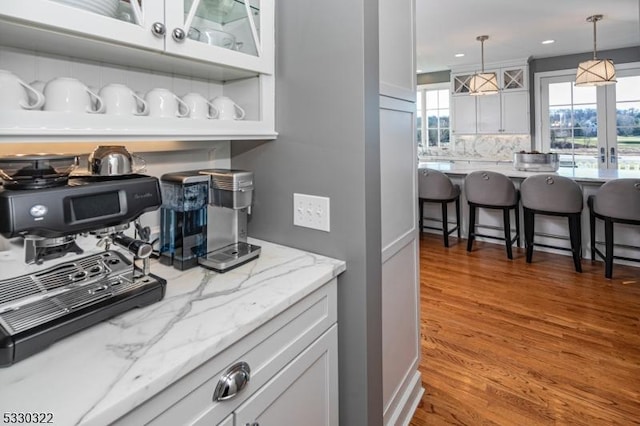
x=230, y=27
x=237, y=33
x=213, y=47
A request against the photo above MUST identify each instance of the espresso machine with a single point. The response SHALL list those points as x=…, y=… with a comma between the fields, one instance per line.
x=204, y=219
x=77, y=266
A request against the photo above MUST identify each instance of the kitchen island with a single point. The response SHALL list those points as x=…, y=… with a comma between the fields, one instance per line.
x=550, y=230
x=99, y=375
x=580, y=175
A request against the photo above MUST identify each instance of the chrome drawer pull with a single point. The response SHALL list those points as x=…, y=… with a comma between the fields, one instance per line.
x=232, y=381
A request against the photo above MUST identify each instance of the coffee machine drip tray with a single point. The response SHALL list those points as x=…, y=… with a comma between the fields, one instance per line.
x=40, y=308
x=230, y=256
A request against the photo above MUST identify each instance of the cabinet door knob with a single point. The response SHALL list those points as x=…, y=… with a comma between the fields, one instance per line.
x=232, y=381
x=158, y=29
x=178, y=35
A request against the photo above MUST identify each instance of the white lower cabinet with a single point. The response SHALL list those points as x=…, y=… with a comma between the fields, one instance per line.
x=293, y=378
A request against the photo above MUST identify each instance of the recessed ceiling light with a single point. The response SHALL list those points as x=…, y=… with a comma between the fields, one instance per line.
x=459, y=55
x=418, y=70
x=548, y=41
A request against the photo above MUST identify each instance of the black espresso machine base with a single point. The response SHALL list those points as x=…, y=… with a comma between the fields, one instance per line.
x=16, y=347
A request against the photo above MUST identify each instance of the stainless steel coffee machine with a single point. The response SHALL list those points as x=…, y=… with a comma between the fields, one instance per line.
x=204, y=219
x=72, y=265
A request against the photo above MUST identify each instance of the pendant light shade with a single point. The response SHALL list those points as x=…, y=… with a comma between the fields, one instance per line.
x=483, y=83
x=595, y=72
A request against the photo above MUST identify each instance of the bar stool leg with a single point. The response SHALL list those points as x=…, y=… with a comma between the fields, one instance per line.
x=575, y=237
x=608, y=241
x=445, y=224
x=472, y=226
x=458, y=222
x=506, y=213
x=517, y=225
x=529, y=231
x=592, y=232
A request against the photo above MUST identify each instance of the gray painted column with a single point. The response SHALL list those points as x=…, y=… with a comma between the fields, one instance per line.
x=327, y=117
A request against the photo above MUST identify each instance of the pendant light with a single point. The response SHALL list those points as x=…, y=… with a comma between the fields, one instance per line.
x=595, y=72
x=483, y=83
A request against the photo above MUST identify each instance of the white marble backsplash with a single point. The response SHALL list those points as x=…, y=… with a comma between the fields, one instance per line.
x=482, y=147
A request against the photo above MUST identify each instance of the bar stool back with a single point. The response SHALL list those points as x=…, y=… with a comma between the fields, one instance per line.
x=492, y=190
x=436, y=187
x=552, y=195
x=617, y=201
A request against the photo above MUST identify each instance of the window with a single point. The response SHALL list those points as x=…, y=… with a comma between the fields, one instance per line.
x=597, y=127
x=433, y=127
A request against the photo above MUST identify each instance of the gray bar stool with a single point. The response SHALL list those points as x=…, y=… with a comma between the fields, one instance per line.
x=436, y=187
x=617, y=201
x=491, y=190
x=552, y=195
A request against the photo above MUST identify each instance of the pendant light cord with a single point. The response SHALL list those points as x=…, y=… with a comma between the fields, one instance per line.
x=594, y=38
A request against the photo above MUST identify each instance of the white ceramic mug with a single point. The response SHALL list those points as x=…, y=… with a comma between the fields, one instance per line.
x=199, y=106
x=163, y=103
x=120, y=100
x=227, y=108
x=71, y=95
x=14, y=93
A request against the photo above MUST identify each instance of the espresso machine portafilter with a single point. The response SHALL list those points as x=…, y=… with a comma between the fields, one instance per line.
x=214, y=236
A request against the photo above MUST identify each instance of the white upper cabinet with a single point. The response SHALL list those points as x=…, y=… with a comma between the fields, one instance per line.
x=235, y=34
x=504, y=113
x=211, y=47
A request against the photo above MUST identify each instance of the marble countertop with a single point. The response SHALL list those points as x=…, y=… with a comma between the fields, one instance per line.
x=97, y=375
x=585, y=175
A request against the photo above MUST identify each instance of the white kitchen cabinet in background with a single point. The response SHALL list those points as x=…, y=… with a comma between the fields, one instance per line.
x=506, y=112
x=463, y=114
x=174, y=39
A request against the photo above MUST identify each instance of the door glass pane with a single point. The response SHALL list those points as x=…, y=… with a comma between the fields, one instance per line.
x=230, y=24
x=628, y=122
x=443, y=98
x=432, y=99
x=573, y=124
x=122, y=10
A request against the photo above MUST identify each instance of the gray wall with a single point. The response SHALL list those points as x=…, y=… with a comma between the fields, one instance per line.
x=328, y=145
x=434, y=77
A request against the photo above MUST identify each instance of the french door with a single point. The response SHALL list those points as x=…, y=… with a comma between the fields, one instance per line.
x=593, y=127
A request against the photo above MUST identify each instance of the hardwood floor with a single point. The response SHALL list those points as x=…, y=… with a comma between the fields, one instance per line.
x=510, y=343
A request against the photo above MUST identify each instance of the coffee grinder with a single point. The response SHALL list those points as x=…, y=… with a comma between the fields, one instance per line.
x=214, y=236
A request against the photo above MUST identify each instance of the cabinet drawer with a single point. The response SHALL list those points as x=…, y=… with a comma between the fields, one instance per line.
x=267, y=350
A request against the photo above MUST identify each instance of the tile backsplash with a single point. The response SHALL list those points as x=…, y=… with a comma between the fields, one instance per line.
x=482, y=147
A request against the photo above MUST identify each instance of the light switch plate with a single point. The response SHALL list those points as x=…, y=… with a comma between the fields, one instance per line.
x=311, y=211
